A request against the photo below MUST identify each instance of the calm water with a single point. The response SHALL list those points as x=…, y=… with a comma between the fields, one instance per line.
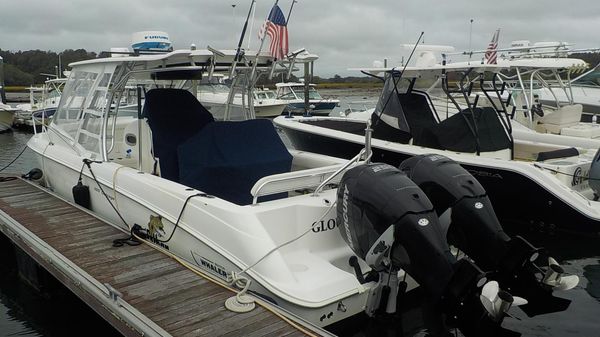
x=26, y=312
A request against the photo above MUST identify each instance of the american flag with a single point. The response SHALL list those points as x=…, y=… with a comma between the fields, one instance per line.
x=276, y=28
x=491, y=55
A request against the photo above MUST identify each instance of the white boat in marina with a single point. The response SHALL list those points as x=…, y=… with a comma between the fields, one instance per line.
x=7, y=113
x=520, y=175
x=228, y=198
x=7, y=116
x=537, y=88
x=521, y=81
x=583, y=89
x=293, y=93
x=42, y=105
x=524, y=76
x=266, y=103
x=214, y=95
x=218, y=229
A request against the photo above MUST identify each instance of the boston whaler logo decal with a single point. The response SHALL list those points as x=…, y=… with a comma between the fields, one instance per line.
x=156, y=230
x=156, y=227
x=213, y=267
x=345, y=216
x=208, y=265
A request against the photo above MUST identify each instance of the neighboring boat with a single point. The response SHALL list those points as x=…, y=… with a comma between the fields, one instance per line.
x=214, y=95
x=42, y=105
x=7, y=113
x=522, y=80
x=583, y=89
x=293, y=93
x=7, y=116
x=266, y=103
x=229, y=199
x=544, y=185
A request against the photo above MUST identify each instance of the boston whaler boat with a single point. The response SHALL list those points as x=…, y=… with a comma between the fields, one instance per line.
x=542, y=184
x=229, y=199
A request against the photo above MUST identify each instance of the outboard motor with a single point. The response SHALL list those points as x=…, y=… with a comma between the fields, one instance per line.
x=389, y=222
x=594, y=176
x=471, y=224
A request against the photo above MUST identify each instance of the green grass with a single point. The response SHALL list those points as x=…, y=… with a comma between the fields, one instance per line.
x=16, y=89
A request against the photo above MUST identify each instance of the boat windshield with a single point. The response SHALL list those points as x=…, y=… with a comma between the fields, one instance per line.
x=264, y=94
x=80, y=113
x=214, y=88
x=312, y=93
x=591, y=79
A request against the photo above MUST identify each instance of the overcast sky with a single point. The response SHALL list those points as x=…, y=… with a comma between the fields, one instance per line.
x=344, y=33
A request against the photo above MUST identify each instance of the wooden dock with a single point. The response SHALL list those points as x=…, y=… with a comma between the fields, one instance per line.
x=137, y=289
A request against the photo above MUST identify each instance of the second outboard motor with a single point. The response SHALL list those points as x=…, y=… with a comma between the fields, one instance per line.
x=389, y=222
x=594, y=175
x=472, y=226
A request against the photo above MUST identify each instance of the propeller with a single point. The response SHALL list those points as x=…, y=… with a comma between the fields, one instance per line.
x=497, y=302
x=556, y=277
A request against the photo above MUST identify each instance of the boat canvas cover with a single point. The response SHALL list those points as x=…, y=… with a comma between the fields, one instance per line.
x=454, y=133
x=389, y=103
x=411, y=113
x=174, y=115
x=226, y=159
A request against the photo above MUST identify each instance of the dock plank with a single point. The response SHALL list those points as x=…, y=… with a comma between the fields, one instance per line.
x=175, y=298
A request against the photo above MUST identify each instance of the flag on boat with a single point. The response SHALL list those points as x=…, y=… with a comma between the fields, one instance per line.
x=491, y=55
x=276, y=28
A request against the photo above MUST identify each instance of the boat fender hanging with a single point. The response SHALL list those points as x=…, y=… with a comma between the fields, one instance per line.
x=81, y=194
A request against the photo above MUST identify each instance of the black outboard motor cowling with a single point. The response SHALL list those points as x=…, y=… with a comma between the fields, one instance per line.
x=375, y=197
x=389, y=222
x=594, y=175
x=474, y=228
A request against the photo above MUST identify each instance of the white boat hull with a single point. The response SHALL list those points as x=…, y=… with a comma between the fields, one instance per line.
x=209, y=237
x=6, y=119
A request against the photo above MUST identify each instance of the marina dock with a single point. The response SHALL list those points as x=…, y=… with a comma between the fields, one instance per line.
x=137, y=289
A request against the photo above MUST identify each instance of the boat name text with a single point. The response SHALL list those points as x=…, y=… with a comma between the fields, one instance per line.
x=323, y=226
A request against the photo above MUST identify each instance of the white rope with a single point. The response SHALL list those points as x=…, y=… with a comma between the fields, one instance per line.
x=244, y=303
x=240, y=302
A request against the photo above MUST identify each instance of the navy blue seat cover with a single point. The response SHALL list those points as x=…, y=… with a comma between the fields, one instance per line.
x=226, y=159
x=174, y=115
